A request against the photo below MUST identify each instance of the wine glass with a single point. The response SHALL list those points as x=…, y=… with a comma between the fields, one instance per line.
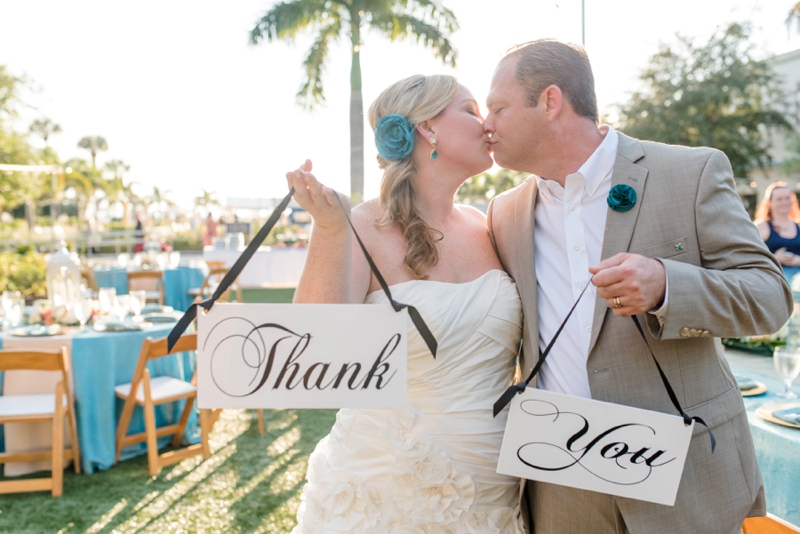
x=138, y=301
x=106, y=297
x=787, y=363
x=82, y=311
x=122, y=306
x=14, y=311
x=8, y=300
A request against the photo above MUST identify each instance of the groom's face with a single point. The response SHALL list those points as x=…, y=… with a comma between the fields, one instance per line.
x=516, y=128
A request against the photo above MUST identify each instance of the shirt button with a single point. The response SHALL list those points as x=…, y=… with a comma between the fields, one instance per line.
x=591, y=190
x=589, y=329
x=583, y=286
x=572, y=207
x=577, y=246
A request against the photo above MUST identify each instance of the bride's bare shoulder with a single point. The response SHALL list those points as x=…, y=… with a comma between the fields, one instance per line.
x=367, y=216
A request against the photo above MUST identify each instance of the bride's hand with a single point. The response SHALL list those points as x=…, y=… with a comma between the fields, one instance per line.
x=318, y=200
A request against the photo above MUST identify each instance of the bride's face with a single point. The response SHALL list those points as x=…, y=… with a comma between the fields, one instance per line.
x=461, y=142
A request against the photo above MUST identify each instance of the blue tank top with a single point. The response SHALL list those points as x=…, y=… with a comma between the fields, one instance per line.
x=775, y=241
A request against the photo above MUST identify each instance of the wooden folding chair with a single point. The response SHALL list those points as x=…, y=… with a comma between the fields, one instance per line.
x=212, y=280
x=768, y=525
x=151, y=392
x=88, y=276
x=152, y=282
x=35, y=408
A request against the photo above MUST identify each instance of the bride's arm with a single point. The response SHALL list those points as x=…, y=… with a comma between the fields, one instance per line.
x=330, y=274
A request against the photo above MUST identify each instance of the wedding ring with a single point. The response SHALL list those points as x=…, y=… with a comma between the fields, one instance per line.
x=617, y=303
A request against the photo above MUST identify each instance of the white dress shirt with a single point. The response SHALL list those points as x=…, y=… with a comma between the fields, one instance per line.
x=569, y=224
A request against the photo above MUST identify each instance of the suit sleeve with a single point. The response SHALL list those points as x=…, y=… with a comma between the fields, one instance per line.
x=739, y=288
x=489, y=212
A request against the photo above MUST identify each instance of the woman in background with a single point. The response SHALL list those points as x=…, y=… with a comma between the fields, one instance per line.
x=777, y=219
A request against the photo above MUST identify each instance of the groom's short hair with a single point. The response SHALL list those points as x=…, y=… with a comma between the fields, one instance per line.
x=546, y=62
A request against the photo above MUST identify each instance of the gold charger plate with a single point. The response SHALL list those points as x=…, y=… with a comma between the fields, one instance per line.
x=765, y=412
x=760, y=389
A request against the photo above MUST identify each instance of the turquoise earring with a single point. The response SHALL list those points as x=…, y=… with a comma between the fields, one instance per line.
x=434, y=154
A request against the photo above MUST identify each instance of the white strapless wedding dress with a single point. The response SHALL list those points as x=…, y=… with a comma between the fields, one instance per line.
x=428, y=468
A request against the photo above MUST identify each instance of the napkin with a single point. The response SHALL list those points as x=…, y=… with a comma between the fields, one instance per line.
x=790, y=415
x=745, y=383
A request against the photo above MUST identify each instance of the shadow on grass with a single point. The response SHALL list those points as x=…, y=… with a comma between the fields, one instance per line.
x=251, y=483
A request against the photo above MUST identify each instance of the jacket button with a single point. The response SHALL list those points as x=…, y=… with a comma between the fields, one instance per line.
x=684, y=332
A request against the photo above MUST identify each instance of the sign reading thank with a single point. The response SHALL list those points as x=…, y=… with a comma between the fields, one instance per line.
x=593, y=445
x=302, y=356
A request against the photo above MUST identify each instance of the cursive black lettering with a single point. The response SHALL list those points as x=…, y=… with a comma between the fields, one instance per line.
x=356, y=370
x=290, y=362
x=380, y=361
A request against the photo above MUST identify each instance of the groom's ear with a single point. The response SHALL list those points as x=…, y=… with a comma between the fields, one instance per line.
x=553, y=101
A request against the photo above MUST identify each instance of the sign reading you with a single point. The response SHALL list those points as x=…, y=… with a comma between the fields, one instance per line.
x=593, y=445
x=302, y=356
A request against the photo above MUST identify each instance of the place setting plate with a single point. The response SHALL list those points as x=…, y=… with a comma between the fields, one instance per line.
x=113, y=326
x=767, y=412
x=37, y=331
x=749, y=387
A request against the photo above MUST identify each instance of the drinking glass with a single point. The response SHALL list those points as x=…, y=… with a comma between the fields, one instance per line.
x=122, y=306
x=14, y=311
x=106, y=297
x=174, y=259
x=787, y=363
x=83, y=311
x=122, y=260
x=161, y=261
x=8, y=300
x=138, y=301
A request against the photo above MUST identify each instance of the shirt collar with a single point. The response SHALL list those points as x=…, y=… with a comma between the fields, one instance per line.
x=598, y=166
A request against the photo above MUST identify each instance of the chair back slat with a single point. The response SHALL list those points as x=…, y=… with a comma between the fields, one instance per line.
x=146, y=280
x=15, y=360
x=158, y=347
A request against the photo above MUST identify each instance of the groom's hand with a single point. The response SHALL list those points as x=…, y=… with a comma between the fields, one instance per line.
x=635, y=282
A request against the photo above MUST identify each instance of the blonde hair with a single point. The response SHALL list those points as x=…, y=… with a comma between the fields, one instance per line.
x=764, y=209
x=417, y=98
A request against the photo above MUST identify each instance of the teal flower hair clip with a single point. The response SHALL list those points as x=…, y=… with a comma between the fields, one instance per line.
x=394, y=137
x=621, y=197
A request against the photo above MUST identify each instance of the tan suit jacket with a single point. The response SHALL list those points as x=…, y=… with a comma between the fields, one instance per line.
x=723, y=282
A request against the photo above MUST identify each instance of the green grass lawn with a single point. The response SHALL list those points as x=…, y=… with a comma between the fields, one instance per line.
x=251, y=483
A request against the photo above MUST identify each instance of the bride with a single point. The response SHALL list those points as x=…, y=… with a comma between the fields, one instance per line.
x=428, y=468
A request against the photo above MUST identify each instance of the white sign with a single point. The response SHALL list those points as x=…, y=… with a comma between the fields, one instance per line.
x=593, y=445
x=302, y=356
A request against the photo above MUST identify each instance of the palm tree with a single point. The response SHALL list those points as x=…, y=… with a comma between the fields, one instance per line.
x=206, y=199
x=93, y=144
x=44, y=128
x=117, y=191
x=158, y=198
x=794, y=16
x=426, y=21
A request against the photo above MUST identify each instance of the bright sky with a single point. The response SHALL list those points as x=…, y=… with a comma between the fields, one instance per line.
x=181, y=96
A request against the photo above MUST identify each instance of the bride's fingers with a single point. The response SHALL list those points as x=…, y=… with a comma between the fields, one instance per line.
x=301, y=193
x=315, y=189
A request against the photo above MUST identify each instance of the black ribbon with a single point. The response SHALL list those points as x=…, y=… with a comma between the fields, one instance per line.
x=234, y=272
x=519, y=387
x=687, y=419
x=230, y=277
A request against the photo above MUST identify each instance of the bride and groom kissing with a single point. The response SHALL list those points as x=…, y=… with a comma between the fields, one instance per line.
x=656, y=231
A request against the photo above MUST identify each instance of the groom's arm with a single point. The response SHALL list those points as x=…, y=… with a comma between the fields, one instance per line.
x=739, y=289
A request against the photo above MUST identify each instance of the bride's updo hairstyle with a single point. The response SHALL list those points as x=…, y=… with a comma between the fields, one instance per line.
x=417, y=98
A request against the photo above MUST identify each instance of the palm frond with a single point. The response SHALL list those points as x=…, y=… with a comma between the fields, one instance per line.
x=287, y=19
x=400, y=26
x=311, y=92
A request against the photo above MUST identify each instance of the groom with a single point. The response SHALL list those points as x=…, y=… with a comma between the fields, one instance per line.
x=676, y=248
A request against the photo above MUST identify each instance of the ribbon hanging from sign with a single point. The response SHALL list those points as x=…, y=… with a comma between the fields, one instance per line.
x=519, y=387
x=240, y=263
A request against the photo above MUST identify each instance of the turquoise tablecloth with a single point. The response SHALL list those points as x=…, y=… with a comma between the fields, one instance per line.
x=177, y=283
x=101, y=361
x=777, y=447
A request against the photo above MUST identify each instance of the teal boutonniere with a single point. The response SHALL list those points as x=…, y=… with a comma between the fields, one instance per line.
x=621, y=197
x=394, y=137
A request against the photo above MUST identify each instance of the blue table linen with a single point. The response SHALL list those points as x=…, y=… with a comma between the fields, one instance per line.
x=177, y=283
x=101, y=361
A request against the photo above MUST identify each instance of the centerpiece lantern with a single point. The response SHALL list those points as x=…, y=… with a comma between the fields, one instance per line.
x=63, y=284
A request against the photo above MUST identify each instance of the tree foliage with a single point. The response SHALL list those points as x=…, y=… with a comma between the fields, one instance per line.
x=486, y=186
x=716, y=94
x=793, y=18
x=426, y=21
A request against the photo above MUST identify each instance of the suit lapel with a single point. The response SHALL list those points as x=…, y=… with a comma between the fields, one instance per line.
x=620, y=225
x=526, y=266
